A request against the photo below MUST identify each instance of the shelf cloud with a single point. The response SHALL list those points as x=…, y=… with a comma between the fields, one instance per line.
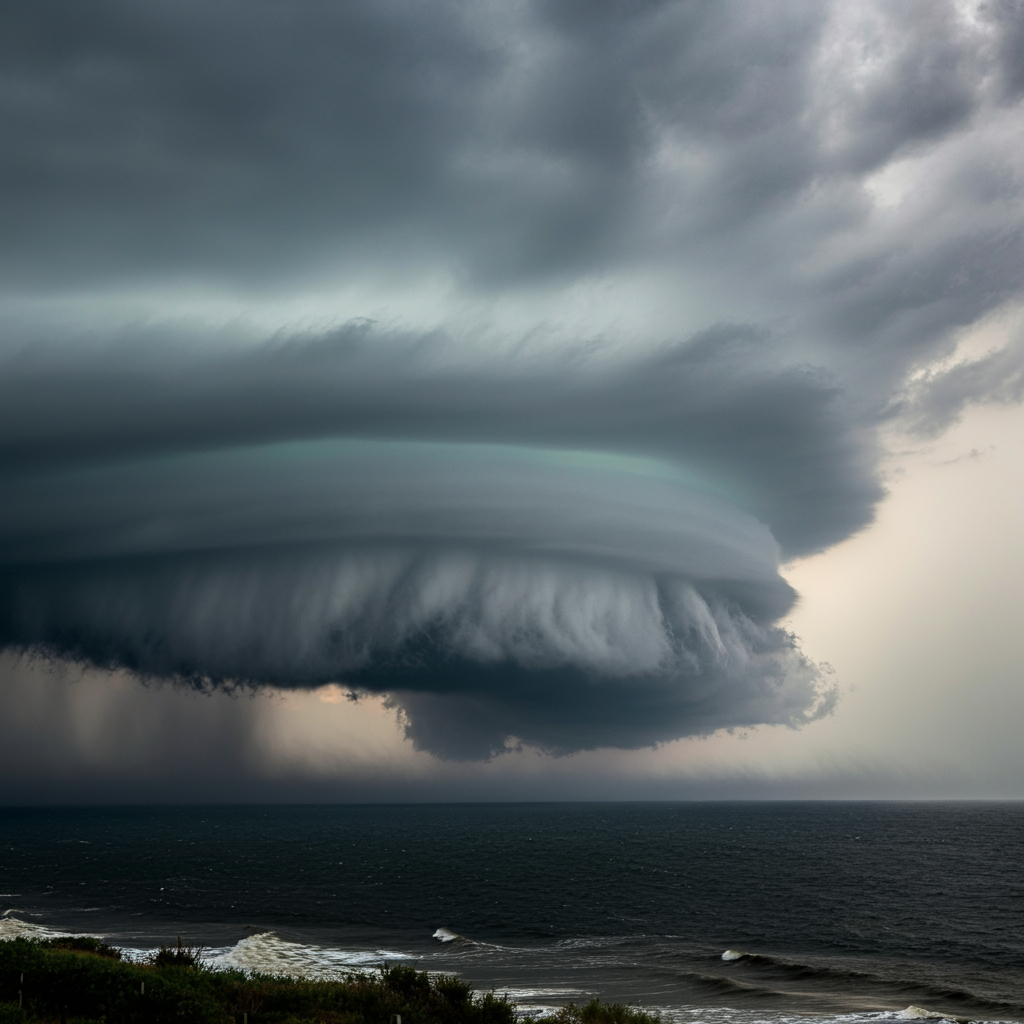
x=569, y=596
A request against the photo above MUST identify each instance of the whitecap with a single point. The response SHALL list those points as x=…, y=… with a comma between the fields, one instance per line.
x=920, y=1013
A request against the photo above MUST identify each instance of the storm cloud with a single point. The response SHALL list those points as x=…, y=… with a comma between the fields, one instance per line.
x=493, y=357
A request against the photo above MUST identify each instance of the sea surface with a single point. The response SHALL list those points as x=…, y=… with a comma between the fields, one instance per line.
x=718, y=912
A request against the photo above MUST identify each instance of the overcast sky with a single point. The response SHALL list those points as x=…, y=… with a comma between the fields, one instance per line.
x=511, y=400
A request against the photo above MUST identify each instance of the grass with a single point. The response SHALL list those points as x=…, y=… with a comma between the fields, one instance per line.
x=81, y=980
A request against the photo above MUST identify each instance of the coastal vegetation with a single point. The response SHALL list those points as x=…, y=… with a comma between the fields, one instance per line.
x=81, y=980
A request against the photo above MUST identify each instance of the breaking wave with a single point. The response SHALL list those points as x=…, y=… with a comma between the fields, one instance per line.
x=266, y=953
x=15, y=928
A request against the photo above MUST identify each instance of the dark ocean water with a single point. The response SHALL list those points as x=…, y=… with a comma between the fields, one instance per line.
x=856, y=911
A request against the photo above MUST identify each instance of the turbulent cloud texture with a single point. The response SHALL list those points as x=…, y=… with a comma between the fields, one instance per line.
x=489, y=356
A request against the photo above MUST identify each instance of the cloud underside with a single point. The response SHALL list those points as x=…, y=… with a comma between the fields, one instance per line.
x=490, y=357
x=474, y=647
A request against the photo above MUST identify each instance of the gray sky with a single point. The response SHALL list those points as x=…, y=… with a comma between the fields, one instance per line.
x=510, y=400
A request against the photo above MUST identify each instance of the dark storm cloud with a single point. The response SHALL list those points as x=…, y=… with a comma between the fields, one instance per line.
x=1007, y=18
x=197, y=138
x=939, y=398
x=261, y=141
x=774, y=214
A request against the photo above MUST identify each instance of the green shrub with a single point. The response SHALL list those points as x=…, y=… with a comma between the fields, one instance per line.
x=407, y=981
x=177, y=956
x=11, y=1013
x=83, y=943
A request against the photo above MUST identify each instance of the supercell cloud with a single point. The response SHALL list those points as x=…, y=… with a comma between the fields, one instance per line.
x=492, y=357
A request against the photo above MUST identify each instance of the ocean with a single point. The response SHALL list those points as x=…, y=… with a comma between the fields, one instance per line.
x=718, y=912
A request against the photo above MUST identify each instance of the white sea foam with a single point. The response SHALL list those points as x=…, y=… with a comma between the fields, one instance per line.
x=525, y=994
x=732, y=954
x=137, y=955
x=446, y=935
x=539, y=1003
x=269, y=954
x=732, y=1015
